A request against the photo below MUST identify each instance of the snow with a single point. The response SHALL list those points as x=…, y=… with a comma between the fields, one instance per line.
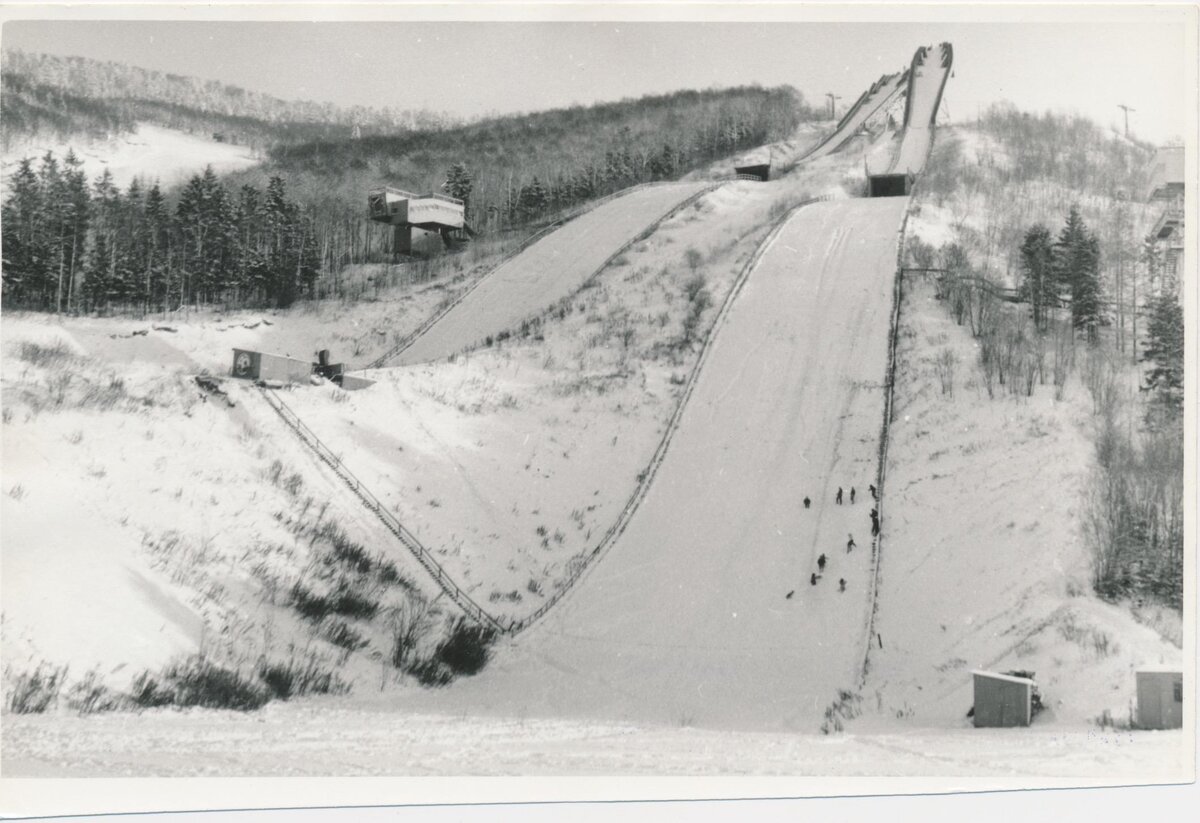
x=303, y=738
x=549, y=270
x=151, y=153
x=788, y=405
x=982, y=566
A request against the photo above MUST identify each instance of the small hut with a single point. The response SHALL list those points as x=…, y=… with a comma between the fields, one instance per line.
x=1003, y=699
x=1160, y=697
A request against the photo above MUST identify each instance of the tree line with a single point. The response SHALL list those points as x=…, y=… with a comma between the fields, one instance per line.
x=524, y=169
x=71, y=246
x=45, y=94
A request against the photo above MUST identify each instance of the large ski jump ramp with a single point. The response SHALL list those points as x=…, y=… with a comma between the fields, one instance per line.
x=927, y=79
x=686, y=619
x=549, y=270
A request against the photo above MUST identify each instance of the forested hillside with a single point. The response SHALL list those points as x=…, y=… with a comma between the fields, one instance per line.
x=286, y=229
x=49, y=95
x=1050, y=211
x=519, y=169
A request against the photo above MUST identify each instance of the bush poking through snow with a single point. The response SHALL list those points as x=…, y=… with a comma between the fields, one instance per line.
x=91, y=696
x=344, y=600
x=34, y=692
x=846, y=707
x=197, y=681
x=466, y=650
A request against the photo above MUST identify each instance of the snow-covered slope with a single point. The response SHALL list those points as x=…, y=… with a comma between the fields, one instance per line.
x=151, y=153
x=549, y=270
x=688, y=615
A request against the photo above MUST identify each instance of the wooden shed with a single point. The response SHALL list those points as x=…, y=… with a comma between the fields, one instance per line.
x=1002, y=699
x=1160, y=698
x=253, y=365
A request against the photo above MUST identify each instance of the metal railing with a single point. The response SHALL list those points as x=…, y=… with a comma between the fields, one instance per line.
x=375, y=505
x=889, y=382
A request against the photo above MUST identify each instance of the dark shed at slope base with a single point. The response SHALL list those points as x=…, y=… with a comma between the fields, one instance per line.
x=890, y=185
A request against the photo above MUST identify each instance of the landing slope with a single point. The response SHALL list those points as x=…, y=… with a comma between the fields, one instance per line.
x=547, y=271
x=686, y=618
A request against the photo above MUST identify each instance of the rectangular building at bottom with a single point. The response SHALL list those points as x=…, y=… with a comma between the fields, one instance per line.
x=1002, y=700
x=1159, y=698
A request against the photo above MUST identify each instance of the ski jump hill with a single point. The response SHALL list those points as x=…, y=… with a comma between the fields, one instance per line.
x=558, y=264
x=554, y=267
x=703, y=611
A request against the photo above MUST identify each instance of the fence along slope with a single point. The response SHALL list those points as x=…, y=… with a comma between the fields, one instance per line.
x=552, y=268
x=406, y=538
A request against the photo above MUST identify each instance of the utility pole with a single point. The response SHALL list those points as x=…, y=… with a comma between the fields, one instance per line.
x=1127, y=110
x=833, y=98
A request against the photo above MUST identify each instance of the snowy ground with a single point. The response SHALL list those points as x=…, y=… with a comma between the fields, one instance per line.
x=151, y=153
x=328, y=739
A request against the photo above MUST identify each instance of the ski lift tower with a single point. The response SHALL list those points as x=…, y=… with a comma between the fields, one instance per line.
x=406, y=210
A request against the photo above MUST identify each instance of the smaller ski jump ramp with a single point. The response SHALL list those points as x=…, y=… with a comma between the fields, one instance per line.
x=874, y=99
x=551, y=269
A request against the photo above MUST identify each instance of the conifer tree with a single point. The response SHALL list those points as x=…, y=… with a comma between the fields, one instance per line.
x=1037, y=266
x=1077, y=256
x=1164, y=350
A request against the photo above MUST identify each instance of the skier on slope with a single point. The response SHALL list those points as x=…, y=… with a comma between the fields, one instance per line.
x=874, y=493
x=850, y=544
x=842, y=584
x=807, y=502
x=813, y=579
x=821, y=563
x=838, y=498
x=851, y=495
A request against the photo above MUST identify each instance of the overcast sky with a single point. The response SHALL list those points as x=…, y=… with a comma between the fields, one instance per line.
x=476, y=68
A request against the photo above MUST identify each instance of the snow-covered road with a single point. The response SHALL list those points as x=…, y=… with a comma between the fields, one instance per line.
x=549, y=270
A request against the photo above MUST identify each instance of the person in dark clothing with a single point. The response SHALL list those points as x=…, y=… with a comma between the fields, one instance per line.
x=788, y=596
x=807, y=502
x=813, y=579
x=874, y=526
x=838, y=497
x=821, y=562
x=850, y=544
x=874, y=493
x=842, y=584
x=851, y=495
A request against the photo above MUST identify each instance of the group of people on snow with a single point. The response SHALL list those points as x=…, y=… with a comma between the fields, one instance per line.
x=838, y=499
